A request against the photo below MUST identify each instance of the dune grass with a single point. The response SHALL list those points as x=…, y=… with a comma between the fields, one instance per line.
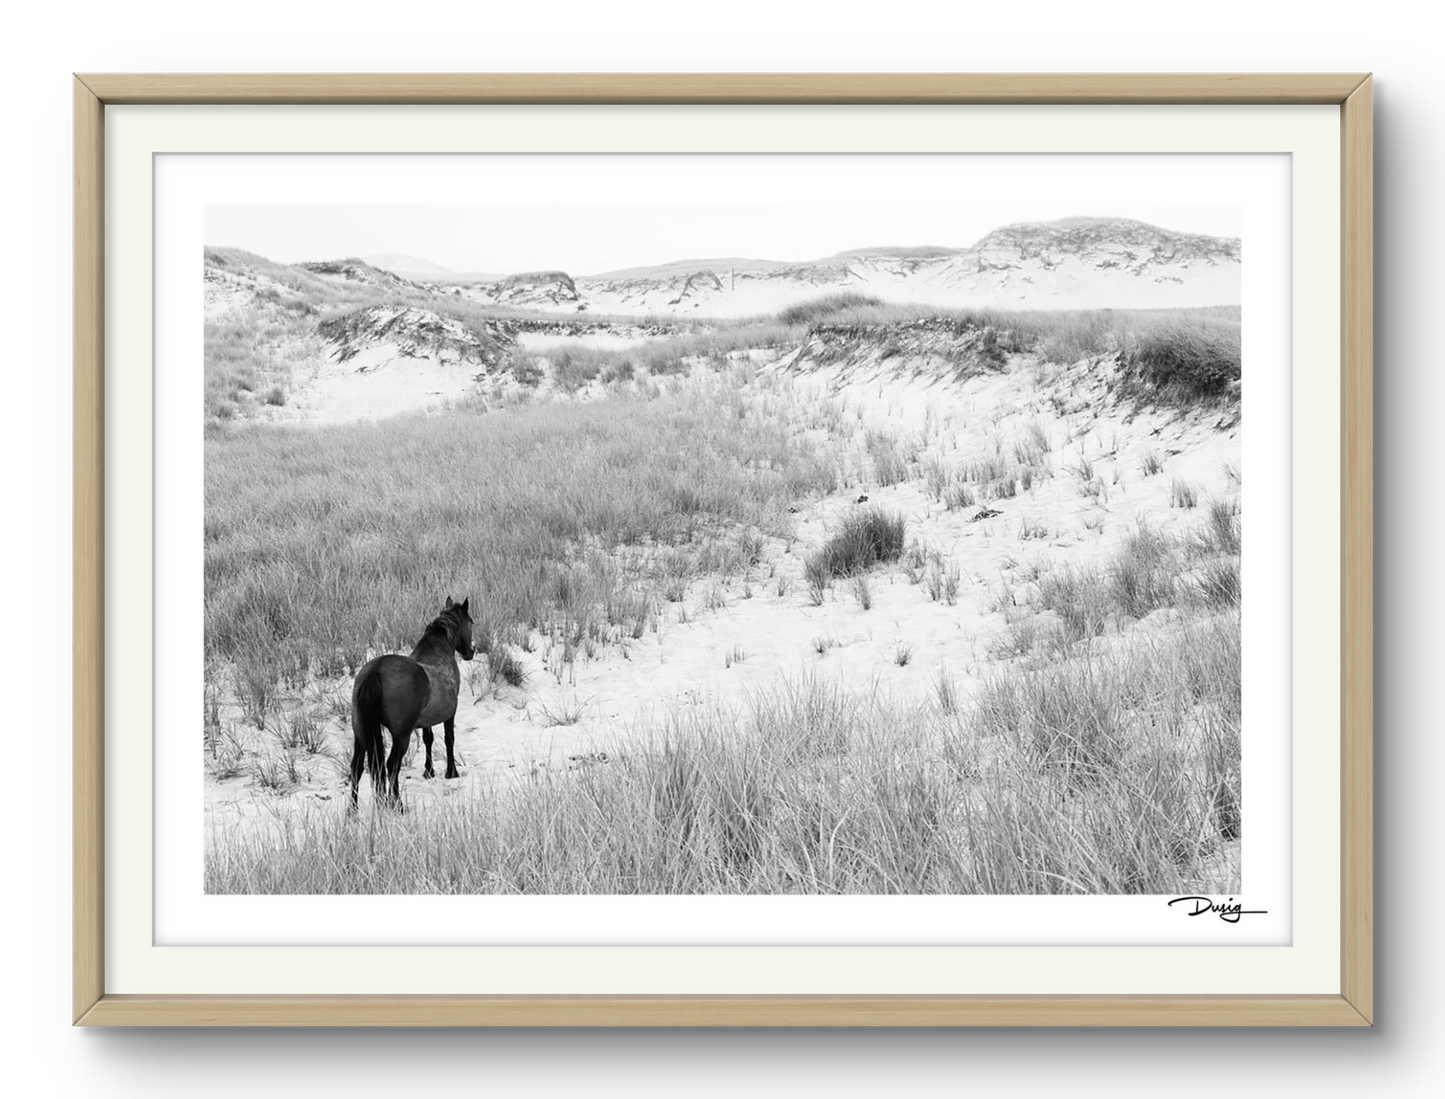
x=1169, y=356
x=890, y=454
x=573, y=367
x=1148, y=571
x=1058, y=335
x=1107, y=774
x=322, y=544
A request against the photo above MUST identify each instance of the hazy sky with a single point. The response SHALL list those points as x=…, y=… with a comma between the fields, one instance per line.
x=592, y=238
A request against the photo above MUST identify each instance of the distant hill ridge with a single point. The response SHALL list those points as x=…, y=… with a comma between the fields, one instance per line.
x=1073, y=230
x=1069, y=263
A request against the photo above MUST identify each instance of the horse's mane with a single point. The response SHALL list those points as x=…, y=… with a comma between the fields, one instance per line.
x=448, y=623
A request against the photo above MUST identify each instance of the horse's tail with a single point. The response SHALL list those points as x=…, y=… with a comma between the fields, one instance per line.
x=366, y=703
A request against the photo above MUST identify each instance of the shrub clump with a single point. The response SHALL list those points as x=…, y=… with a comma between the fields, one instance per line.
x=1185, y=362
x=503, y=664
x=866, y=539
x=820, y=309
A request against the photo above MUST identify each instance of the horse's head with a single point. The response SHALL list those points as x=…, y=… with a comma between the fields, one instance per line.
x=463, y=618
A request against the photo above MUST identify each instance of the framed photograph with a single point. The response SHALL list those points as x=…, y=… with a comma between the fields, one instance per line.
x=722, y=550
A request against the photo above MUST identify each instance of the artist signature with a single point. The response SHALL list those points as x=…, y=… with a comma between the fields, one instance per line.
x=1229, y=911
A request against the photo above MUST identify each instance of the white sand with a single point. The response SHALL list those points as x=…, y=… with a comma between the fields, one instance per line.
x=381, y=381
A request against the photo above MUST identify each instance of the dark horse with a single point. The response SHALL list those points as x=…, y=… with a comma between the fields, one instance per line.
x=409, y=692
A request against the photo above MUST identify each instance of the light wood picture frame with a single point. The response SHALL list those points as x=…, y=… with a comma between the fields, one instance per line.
x=1352, y=1005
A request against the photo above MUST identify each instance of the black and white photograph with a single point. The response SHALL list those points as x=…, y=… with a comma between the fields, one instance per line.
x=722, y=549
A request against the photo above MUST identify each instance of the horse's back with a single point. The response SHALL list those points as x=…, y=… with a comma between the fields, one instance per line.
x=394, y=687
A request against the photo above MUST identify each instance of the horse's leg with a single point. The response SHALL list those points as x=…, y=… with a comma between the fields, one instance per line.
x=376, y=760
x=451, y=733
x=364, y=727
x=358, y=765
x=426, y=738
x=399, y=742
